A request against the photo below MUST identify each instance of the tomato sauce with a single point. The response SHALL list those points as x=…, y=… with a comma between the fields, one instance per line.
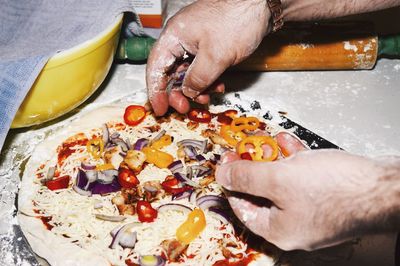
x=45, y=220
x=64, y=151
x=242, y=262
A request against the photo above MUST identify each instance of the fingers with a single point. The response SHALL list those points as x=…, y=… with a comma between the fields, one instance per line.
x=179, y=102
x=256, y=218
x=161, y=59
x=255, y=178
x=203, y=99
x=229, y=156
x=204, y=70
x=289, y=144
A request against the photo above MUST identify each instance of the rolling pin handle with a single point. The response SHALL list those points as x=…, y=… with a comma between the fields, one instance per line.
x=389, y=46
x=135, y=48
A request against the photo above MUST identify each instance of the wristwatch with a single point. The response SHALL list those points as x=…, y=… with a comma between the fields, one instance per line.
x=275, y=6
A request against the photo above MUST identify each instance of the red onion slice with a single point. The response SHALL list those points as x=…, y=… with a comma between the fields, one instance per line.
x=199, y=170
x=121, y=143
x=140, y=144
x=182, y=195
x=216, y=198
x=106, y=134
x=125, y=237
x=200, y=158
x=87, y=166
x=220, y=214
x=206, y=204
x=107, y=176
x=110, y=218
x=82, y=181
x=175, y=166
x=82, y=192
x=174, y=207
x=190, y=152
x=193, y=196
x=50, y=174
x=186, y=180
x=99, y=188
x=158, y=136
x=114, y=135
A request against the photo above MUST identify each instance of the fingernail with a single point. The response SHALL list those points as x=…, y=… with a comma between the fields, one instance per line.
x=188, y=92
x=223, y=176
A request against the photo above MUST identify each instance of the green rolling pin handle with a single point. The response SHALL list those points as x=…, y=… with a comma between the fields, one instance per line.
x=135, y=48
x=389, y=46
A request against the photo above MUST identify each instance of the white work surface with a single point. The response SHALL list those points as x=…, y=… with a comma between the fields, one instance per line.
x=357, y=110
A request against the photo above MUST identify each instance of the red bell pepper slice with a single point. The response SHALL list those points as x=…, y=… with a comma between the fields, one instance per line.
x=58, y=183
x=127, y=178
x=146, y=213
x=246, y=156
x=170, y=183
x=134, y=115
x=199, y=115
x=227, y=116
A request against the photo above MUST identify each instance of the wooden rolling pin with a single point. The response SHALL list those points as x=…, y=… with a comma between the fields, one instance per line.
x=327, y=46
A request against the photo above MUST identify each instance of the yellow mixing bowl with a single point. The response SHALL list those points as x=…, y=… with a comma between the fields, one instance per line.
x=69, y=78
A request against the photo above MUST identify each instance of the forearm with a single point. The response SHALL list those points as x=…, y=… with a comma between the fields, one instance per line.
x=383, y=213
x=300, y=10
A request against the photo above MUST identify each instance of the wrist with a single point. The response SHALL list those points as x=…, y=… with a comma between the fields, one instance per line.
x=382, y=209
x=276, y=14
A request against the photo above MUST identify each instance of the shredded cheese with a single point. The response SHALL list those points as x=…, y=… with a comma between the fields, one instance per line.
x=73, y=215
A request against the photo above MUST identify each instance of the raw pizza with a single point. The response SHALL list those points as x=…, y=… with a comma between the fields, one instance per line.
x=119, y=186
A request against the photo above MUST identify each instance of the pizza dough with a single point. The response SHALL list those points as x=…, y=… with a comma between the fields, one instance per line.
x=77, y=236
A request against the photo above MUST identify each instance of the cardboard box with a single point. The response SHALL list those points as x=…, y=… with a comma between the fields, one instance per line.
x=151, y=12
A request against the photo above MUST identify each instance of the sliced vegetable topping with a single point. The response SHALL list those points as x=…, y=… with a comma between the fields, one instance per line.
x=140, y=143
x=245, y=123
x=256, y=146
x=231, y=137
x=151, y=260
x=127, y=178
x=192, y=227
x=158, y=158
x=246, y=156
x=162, y=142
x=124, y=236
x=199, y=115
x=226, y=117
x=146, y=213
x=103, y=167
x=170, y=185
x=134, y=115
x=59, y=183
x=95, y=147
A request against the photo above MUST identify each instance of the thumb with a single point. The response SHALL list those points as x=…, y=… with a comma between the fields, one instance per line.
x=204, y=70
x=256, y=178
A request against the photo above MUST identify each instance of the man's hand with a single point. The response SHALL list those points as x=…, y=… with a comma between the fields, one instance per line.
x=219, y=33
x=319, y=198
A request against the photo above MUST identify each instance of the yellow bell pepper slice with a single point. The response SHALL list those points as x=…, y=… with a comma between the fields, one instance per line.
x=95, y=147
x=192, y=227
x=162, y=142
x=231, y=137
x=158, y=158
x=258, y=152
x=241, y=123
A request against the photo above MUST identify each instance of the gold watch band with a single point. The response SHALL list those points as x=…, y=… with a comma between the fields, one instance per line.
x=275, y=6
